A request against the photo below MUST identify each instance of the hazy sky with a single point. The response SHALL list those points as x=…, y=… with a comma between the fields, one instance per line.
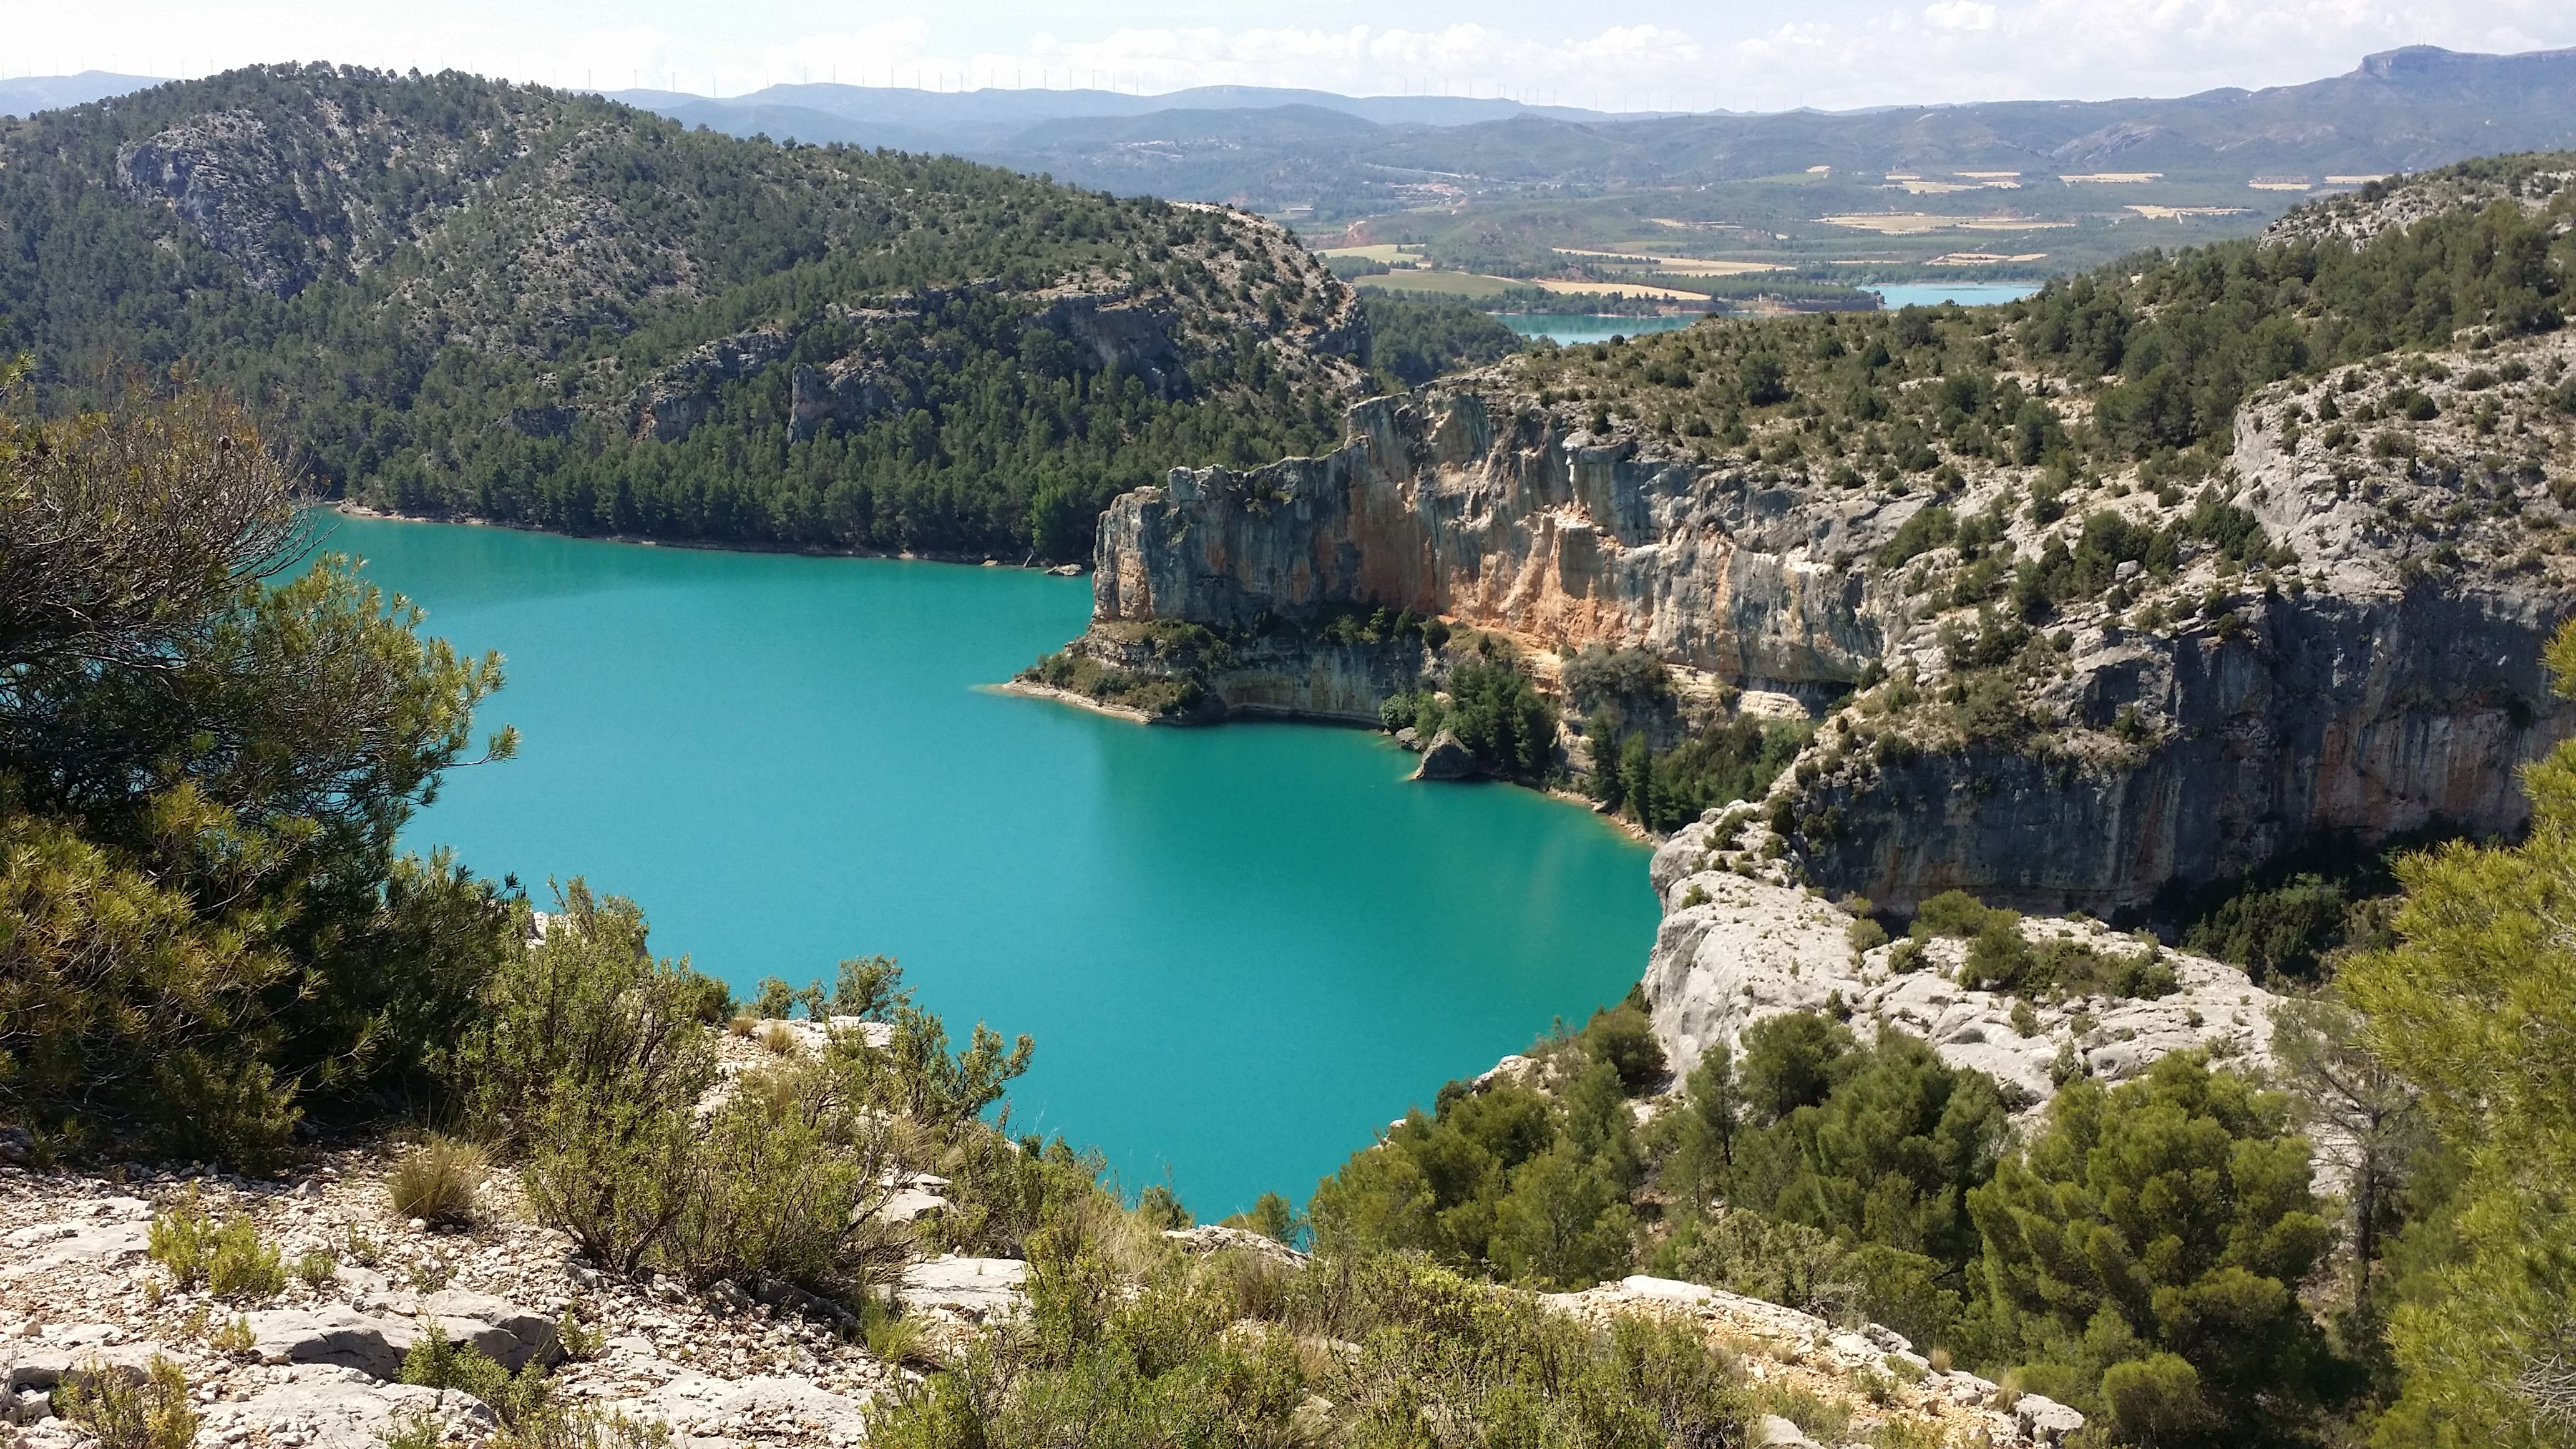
x=1760, y=54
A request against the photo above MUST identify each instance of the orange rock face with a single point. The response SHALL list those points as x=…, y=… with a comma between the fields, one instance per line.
x=1442, y=509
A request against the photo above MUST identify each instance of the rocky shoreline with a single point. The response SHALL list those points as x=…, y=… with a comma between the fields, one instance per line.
x=318, y=1363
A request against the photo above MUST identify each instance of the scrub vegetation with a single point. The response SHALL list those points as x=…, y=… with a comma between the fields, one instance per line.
x=454, y=295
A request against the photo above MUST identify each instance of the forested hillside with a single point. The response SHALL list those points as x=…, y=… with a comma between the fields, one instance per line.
x=453, y=294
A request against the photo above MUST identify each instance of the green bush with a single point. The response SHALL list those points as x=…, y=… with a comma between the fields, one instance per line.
x=785, y=1184
x=122, y=1414
x=1159, y=1208
x=2283, y=931
x=1193, y=1358
x=435, y=1362
x=1876, y=1144
x=242, y=1265
x=1958, y=914
x=1503, y=1179
x=2167, y=1218
x=1273, y=1218
x=1733, y=760
x=206, y=930
x=226, y=1258
x=585, y=1023
x=1622, y=1038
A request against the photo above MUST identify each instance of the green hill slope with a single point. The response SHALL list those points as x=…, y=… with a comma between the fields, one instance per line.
x=460, y=295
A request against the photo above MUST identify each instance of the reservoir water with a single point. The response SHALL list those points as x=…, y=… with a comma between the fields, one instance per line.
x=1241, y=950
x=1967, y=294
x=1570, y=328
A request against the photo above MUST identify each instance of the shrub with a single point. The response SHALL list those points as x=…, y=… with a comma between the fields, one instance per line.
x=420, y=1429
x=182, y=1239
x=1186, y=1356
x=243, y=1264
x=1159, y=1208
x=1272, y=1217
x=316, y=1268
x=227, y=1258
x=435, y=1362
x=438, y=1182
x=208, y=927
x=2170, y=1217
x=1622, y=1038
x=583, y=1429
x=1953, y=913
x=585, y=1029
x=122, y=1414
x=1878, y=1145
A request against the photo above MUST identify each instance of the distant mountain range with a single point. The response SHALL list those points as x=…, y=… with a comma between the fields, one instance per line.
x=968, y=121
x=1273, y=147
x=1279, y=149
x=29, y=94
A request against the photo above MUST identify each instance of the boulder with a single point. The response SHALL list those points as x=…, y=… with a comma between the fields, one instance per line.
x=693, y=1403
x=2044, y=1420
x=44, y=1366
x=969, y=1288
x=333, y=1335
x=373, y=1343
x=1773, y=1432
x=1216, y=1237
x=1446, y=759
x=509, y=1333
x=323, y=1407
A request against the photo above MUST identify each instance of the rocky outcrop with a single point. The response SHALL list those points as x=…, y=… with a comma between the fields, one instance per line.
x=1912, y=1401
x=845, y=392
x=2528, y=182
x=682, y=395
x=1446, y=759
x=2374, y=713
x=2372, y=673
x=1739, y=944
x=1115, y=332
x=318, y=1368
x=261, y=197
x=1466, y=504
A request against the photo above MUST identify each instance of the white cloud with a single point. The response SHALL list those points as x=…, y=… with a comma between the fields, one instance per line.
x=1960, y=15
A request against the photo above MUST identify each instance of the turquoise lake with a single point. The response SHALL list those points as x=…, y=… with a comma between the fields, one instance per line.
x=1241, y=950
x=1967, y=294
x=1568, y=328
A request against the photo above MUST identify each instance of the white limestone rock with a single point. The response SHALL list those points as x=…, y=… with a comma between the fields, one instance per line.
x=319, y=1406
x=972, y=1289
x=1734, y=949
x=2044, y=1420
x=693, y=1403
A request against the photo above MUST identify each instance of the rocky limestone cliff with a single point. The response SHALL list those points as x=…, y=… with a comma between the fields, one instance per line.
x=1467, y=503
x=2368, y=670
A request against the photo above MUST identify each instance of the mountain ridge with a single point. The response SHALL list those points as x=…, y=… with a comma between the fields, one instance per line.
x=543, y=307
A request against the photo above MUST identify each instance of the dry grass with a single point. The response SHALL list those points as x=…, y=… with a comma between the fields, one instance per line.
x=780, y=1039
x=439, y=1182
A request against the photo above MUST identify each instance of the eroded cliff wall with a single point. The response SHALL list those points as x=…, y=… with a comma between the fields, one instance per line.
x=2332, y=641
x=1470, y=505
